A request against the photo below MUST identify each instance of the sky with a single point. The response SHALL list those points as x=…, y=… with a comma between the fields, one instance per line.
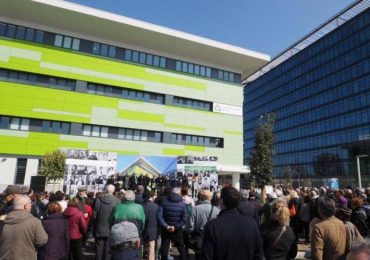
x=266, y=26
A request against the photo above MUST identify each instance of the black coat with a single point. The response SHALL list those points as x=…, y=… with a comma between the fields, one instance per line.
x=57, y=247
x=102, y=210
x=247, y=208
x=285, y=248
x=232, y=236
x=151, y=224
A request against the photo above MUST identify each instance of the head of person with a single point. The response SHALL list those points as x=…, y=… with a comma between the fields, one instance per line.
x=184, y=191
x=280, y=212
x=293, y=194
x=204, y=195
x=176, y=190
x=216, y=198
x=22, y=202
x=357, y=202
x=244, y=194
x=322, y=192
x=147, y=195
x=129, y=195
x=343, y=213
x=360, y=252
x=140, y=188
x=59, y=196
x=73, y=202
x=110, y=189
x=229, y=197
x=54, y=207
x=82, y=192
x=10, y=193
x=326, y=207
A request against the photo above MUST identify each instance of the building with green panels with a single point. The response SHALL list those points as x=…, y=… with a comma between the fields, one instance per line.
x=73, y=77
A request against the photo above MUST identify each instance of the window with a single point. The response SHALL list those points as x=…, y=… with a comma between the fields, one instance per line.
x=86, y=130
x=67, y=42
x=58, y=40
x=76, y=44
x=30, y=35
x=112, y=51
x=129, y=134
x=39, y=36
x=21, y=32
x=121, y=133
x=15, y=123
x=96, y=48
x=2, y=28
x=10, y=32
x=136, y=135
x=104, y=50
x=128, y=54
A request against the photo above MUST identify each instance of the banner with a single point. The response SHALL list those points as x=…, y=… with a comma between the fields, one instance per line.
x=201, y=171
x=90, y=169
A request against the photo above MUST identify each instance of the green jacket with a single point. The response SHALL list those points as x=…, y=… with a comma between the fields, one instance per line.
x=129, y=211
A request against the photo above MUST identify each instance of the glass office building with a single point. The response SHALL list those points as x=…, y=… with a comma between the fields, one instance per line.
x=319, y=89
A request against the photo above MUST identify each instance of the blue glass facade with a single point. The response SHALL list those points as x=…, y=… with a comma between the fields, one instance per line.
x=321, y=98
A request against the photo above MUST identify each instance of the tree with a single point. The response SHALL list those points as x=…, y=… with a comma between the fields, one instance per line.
x=260, y=162
x=53, y=165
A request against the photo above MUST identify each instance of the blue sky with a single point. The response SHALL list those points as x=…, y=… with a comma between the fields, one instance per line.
x=267, y=26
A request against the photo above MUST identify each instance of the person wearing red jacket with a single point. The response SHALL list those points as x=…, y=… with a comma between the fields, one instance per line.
x=77, y=227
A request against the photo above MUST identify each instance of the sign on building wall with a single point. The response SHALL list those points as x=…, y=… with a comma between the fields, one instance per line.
x=227, y=109
x=201, y=171
x=90, y=169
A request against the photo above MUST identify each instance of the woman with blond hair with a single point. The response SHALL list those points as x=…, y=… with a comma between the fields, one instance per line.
x=279, y=241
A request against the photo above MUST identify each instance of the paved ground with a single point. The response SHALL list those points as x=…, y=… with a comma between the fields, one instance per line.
x=89, y=251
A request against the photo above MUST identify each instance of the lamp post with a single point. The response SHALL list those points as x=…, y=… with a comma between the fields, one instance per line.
x=358, y=168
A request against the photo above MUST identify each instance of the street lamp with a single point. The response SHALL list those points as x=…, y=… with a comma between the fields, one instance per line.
x=358, y=168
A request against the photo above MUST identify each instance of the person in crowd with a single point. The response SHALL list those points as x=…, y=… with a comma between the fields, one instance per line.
x=246, y=207
x=124, y=214
x=56, y=226
x=359, y=217
x=231, y=235
x=216, y=199
x=81, y=197
x=201, y=214
x=353, y=236
x=8, y=196
x=294, y=207
x=189, y=203
x=139, y=194
x=77, y=227
x=172, y=216
x=150, y=232
x=279, y=241
x=361, y=252
x=45, y=198
x=22, y=233
x=103, y=208
x=60, y=198
x=340, y=199
x=305, y=217
x=266, y=209
x=38, y=208
x=329, y=236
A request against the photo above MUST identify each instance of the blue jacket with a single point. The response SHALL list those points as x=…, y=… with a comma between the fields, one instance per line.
x=172, y=212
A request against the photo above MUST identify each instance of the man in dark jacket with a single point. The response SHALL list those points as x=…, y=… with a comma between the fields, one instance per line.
x=102, y=210
x=246, y=207
x=139, y=194
x=231, y=235
x=172, y=216
x=150, y=232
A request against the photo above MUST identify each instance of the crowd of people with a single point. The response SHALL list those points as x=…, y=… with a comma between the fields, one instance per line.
x=227, y=224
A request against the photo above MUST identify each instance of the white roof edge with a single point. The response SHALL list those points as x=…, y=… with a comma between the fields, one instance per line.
x=151, y=27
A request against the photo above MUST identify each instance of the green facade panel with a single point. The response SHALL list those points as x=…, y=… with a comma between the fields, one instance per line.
x=53, y=104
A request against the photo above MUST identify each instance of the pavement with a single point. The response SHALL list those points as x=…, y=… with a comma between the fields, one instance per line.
x=304, y=251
